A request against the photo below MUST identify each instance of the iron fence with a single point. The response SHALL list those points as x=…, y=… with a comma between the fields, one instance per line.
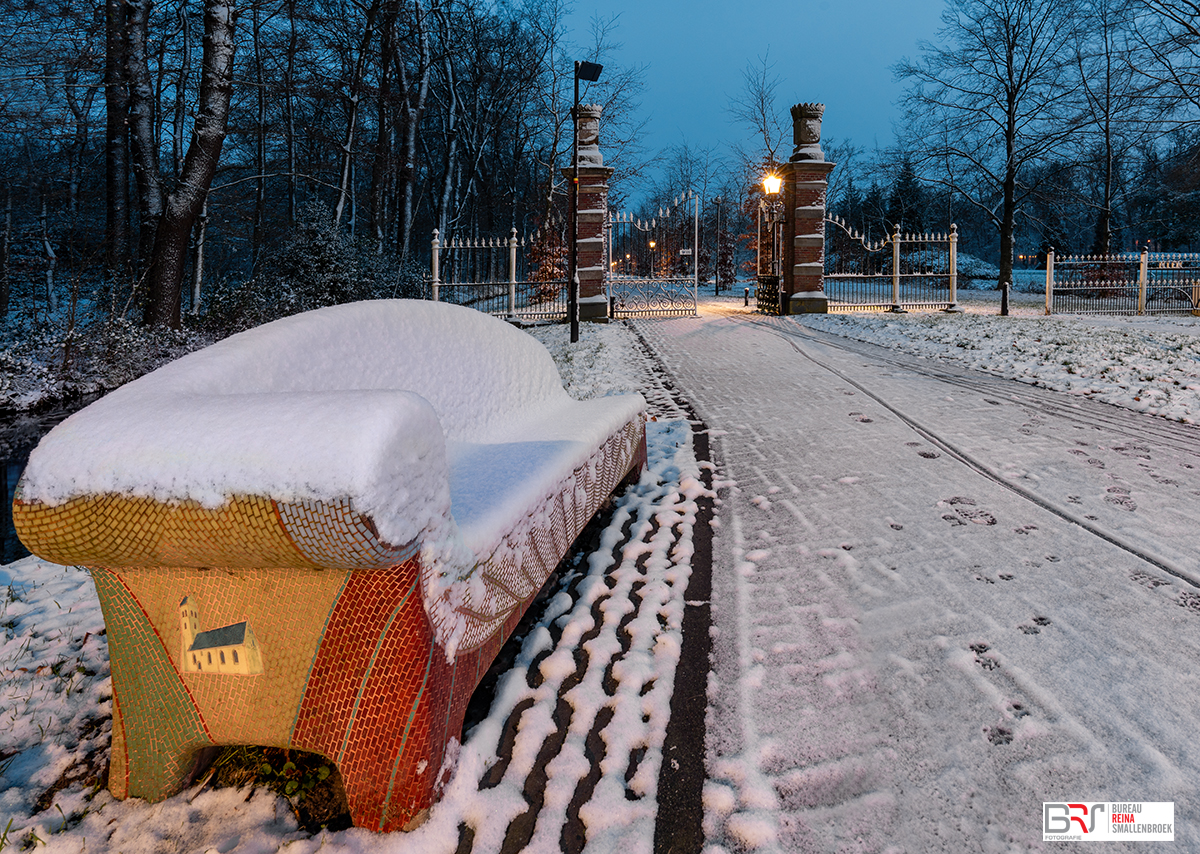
x=899, y=272
x=1123, y=283
x=515, y=277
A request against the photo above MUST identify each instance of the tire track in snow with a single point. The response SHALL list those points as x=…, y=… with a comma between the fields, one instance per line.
x=933, y=437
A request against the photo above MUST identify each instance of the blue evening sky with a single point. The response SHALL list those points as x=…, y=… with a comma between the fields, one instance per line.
x=697, y=50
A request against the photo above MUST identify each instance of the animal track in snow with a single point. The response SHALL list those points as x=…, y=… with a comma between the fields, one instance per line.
x=858, y=416
x=929, y=455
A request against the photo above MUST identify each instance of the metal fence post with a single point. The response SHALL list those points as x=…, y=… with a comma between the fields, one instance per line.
x=896, y=269
x=1142, y=277
x=436, y=247
x=1049, y=281
x=512, y=273
x=953, y=268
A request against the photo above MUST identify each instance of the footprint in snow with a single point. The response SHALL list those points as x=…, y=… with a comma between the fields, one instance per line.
x=986, y=662
x=1148, y=581
x=1095, y=463
x=1190, y=600
x=1018, y=710
x=1122, y=501
x=929, y=455
x=965, y=508
x=999, y=735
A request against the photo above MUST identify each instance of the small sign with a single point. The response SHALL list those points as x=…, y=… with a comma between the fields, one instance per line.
x=1130, y=821
x=685, y=252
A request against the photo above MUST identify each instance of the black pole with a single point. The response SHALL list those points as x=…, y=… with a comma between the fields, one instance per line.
x=573, y=261
x=717, y=254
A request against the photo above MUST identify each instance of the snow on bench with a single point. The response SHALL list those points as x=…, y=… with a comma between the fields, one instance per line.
x=318, y=533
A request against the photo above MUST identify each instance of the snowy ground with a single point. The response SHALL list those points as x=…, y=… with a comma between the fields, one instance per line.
x=940, y=598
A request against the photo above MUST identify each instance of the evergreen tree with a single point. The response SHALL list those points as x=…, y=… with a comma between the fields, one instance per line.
x=874, y=209
x=906, y=204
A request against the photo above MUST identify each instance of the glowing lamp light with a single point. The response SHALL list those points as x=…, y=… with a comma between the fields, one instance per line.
x=771, y=184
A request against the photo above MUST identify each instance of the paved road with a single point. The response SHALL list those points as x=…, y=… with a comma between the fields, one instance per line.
x=939, y=599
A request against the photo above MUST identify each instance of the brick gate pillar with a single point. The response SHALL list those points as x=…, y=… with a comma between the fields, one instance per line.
x=593, y=215
x=805, y=180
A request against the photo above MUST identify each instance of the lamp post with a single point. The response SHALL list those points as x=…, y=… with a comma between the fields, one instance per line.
x=769, y=210
x=590, y=72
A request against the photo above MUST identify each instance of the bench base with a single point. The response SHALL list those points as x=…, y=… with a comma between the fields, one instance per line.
x=363, y=684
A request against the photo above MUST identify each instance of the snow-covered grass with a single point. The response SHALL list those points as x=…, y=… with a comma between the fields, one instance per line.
x=1147, y=364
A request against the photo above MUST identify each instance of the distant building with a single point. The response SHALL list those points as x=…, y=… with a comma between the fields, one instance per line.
x=231, y=649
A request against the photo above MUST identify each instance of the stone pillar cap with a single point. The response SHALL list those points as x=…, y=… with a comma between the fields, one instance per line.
x=806, y=131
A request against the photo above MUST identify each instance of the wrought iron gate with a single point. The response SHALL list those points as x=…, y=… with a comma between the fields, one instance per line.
x=901, y=271
x=653, y=266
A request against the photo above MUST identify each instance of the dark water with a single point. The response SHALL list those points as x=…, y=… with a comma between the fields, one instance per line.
x=19, y=434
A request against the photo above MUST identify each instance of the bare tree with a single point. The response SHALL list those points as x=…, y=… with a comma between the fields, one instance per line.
x=1113, y=115
x=186, y=201
x=985, y=103
x=757, y=107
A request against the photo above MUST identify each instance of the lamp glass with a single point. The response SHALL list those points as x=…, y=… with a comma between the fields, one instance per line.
x=771, y=184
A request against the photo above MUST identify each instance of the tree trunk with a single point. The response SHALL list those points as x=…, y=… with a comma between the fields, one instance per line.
x=260, y=148
x=356, y=75
x=181, y=84
x=381, y=169
x=143, y=145
x=198, y=259
x=199, y=166
x=51, y=262
x=5, y=244
x=116, y=143
x=289, y=110
x=413, y=96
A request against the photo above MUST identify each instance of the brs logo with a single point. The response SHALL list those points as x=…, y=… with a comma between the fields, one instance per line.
x=1070, y=818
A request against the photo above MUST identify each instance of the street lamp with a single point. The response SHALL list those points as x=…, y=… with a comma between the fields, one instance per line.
x=771, y=186
x=590, y=72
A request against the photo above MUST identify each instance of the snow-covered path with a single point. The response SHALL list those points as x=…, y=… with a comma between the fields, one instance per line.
x=940, y=598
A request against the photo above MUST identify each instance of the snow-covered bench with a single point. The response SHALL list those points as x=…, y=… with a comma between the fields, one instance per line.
x=317, y=534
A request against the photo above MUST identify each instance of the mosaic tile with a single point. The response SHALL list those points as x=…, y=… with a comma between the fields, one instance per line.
x=294, y=625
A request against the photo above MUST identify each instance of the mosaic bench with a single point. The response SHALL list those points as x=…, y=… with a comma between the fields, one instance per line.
x=245, y=606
